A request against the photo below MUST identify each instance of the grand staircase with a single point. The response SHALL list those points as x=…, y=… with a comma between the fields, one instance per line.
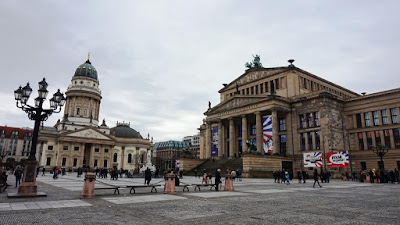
x=212, y=165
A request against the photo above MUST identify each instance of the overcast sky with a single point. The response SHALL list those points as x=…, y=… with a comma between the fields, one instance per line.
x=160, y=62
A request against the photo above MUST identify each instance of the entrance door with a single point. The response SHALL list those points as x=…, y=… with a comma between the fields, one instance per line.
x=288, y=166
x=86, y=156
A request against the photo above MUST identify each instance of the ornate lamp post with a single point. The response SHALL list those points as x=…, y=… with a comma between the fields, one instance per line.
x=380, y=151
x=38, y=114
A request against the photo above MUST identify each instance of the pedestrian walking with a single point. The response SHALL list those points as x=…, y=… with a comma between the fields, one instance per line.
x=299, y=176
x=43, y=171
x=18, y=174
x=217, y=179
x=304, y=176
x=316, y=178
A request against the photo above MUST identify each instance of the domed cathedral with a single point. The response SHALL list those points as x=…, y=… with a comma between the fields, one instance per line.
x=77, y=140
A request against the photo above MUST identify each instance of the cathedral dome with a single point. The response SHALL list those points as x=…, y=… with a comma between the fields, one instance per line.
x=123, y=130
x=86, y=70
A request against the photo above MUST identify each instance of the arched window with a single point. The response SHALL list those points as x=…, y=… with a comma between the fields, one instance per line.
x=129, y=158
x=115, y=157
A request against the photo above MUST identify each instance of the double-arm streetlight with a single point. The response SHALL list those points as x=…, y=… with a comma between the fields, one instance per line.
x=37, y=113
x=380, y=151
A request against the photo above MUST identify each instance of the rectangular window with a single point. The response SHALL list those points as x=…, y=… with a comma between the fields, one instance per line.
x=240, y=130
x=78, y=110
x=360, y=141
x=282, y=146
x=309, y=119
x=48, y=161
x=316, y=119
x=312, y=85
x=256, y=89
x=105, y=163
x=64, y=161
x=386, y=135
x=106, y=150
x=240, y=147
x=272, y=85
x=305, y=83
x=302, y=142
x=50, y=147
x=367, y=120
x=76, y=148
x=242, y=91
x=317, y=140
x=376, y=118
x=253, y=129
x=266, y=86
x=261, y=88
x=65, y=147
x=310, y=145
x=247, y=91
x=252, y=90
x=393, y=113
x=301, y=119
x=282, y=124
x=276, y=84
x=396, y=136
x=369, y=140
x=377, y=138
x=358, y=119
x=96, y=150
x=384, y=117
x=75, y=162
x=95, y=163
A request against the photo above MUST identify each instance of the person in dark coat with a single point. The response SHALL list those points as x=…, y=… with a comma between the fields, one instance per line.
x=147, y=176
x=282, y=173
x=304, y=175
x=299, y=176
x=316, y=178
x=217, y=179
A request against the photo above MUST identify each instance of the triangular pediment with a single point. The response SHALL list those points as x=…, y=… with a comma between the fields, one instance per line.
x=253, y=75
x=89, y=133
x=234, y=102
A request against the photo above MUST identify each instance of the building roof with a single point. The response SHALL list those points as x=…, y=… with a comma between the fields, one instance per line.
x=8, y=131
x=180, y=145
x=123, y=130
x=86, y=70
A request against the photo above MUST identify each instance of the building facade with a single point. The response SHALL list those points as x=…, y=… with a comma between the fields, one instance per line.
x=286, y=111
x=168, y=152
x=79, y=141
x=15, y=143
x=194, y=145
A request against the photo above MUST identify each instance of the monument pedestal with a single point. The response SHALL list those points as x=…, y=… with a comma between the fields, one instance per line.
x=28, y=187
x=88, y=186
x=228, y=183
x=169, y=187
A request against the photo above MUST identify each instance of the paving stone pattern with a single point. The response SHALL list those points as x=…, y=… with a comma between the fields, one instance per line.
x=254, y=201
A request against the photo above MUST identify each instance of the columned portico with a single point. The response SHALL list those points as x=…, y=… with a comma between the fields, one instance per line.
x=259, y=133
x=232, y=150
x=244, y=133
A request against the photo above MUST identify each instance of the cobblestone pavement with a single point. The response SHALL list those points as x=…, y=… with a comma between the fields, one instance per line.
x=254, y=201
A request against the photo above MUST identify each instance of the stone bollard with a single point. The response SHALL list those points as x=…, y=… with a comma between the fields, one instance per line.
x=169, y=187
x=228, y=183
x=88, y=186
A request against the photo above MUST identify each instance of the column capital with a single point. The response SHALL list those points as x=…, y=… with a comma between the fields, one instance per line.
x=258, y=112
x=243, y=116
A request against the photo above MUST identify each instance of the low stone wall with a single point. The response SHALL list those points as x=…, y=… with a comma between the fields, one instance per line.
x=257, y=166
x=188, y=164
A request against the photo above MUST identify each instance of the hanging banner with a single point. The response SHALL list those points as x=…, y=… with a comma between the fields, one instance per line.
x=338, y=159
x=313, y=159
x=177, y=164
x=214, y=146
x=267, y=134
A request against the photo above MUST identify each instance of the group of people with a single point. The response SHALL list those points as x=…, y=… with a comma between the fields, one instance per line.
x=282, y=176
x=377, y=176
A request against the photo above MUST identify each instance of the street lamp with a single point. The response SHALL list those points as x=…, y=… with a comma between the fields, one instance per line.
x=38, y=114
x=380, y=151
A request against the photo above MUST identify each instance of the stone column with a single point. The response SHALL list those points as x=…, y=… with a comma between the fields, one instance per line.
x=391, y=136
x=362, y=120
x=220, y=149
x=208, y=141
x=380, y=117
x=354, y=121
x=275, y=130
x=231, y=137
x=122, y=164
x=365, y=140
x=306, y=140
x=244, y=133
x=259, y=133
x=382, y=138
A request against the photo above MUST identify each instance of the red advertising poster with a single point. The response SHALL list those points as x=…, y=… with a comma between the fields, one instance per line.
x=338, y=159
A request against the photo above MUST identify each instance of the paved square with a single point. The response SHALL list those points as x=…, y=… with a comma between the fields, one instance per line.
x=254, y=201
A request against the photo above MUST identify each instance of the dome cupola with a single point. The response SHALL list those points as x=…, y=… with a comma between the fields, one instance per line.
x=123, y=130
x=86, y=70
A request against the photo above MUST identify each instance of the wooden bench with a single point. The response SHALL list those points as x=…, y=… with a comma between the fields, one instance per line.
x=197, y=186
x=133, y=187
x=116, y=189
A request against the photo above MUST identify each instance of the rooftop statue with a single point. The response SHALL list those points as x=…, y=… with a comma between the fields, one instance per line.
x=255, y=64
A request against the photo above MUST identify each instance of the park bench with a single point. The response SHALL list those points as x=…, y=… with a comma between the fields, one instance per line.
x=197, y=186
x=115, y=188
x=133, y=187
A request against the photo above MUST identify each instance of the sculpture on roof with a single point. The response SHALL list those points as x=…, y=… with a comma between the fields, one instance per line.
x=255, y=64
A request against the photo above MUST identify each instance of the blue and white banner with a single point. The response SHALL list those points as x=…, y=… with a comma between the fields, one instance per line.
x=214, y=146
x=267, y=134
x=313, y=159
